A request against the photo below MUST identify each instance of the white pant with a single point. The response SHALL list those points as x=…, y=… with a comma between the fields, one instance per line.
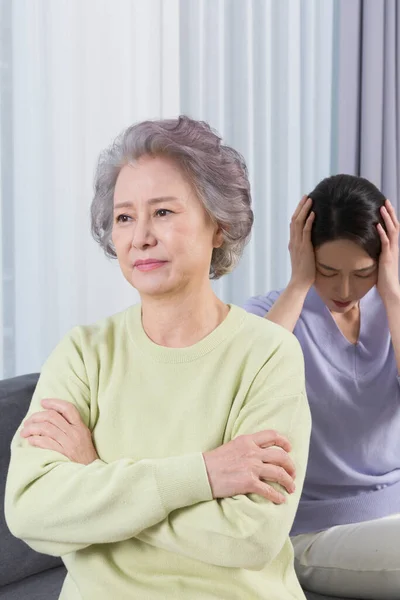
x=361, y=560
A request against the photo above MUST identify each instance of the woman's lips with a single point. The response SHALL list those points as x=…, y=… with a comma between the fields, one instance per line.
x=150, y=265
x=342, y=304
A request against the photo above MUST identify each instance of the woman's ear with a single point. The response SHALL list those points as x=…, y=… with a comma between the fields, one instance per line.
x=218, y=237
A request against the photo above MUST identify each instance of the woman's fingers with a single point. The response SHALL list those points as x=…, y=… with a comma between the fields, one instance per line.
x=301, y=222
x=66, y=409
x=280, y=458
x=390, y=208
x=392, y=224
x=50, y=416
x=40, y=441
x=385, y=241
x=302, y=216
x=268, y=492
x=274, y=474
x=299, y=216
x=299, y=207
x=45, y=429
x=270, y=437
x=309, y=222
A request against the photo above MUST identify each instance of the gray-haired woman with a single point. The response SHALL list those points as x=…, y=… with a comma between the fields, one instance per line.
x=150, y=459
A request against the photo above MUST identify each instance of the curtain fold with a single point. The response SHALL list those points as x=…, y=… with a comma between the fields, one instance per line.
x=367, y=93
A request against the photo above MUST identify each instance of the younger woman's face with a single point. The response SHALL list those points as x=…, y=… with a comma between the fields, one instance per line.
x=344, y=274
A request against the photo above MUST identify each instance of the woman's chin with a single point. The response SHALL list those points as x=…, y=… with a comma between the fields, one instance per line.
x=150, y=285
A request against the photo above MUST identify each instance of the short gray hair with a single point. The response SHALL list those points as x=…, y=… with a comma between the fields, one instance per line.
x=218, y=174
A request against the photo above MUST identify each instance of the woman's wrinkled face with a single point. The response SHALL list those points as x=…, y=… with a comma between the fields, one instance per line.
x=344, y=274
x=162, y=234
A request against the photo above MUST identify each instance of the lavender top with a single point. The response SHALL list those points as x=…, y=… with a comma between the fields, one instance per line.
x=353, y=472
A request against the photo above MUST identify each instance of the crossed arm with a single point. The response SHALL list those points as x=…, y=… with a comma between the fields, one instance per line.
x=59, y=506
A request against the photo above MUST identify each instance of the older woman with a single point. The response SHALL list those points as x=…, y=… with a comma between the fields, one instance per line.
x=155, y=469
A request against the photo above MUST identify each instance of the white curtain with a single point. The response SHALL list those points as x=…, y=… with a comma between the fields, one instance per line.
x=76, y=72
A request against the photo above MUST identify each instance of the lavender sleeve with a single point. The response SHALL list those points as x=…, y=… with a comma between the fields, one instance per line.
x=260, y=305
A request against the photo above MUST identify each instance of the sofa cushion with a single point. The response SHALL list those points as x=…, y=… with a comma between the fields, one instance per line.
x=17, y=560
x=42, y=586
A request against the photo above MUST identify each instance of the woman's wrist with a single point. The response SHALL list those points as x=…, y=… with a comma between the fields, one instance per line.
x=287, y=309
x=391, y=296
x=299, y=288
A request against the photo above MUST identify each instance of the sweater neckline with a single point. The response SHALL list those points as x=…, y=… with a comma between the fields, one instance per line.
x=164, y=354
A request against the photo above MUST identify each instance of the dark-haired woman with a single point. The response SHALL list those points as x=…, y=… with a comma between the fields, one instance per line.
x=343, y=305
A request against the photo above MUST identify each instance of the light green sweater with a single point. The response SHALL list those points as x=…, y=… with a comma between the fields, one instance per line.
x=140, y=523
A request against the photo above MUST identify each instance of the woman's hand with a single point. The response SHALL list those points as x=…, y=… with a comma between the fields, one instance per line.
x=60, y=428
x=300, y=247
x=245, y=464
x=388, y=273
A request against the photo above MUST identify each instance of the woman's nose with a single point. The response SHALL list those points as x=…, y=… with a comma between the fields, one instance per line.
x=143, y=235
x=344, y=288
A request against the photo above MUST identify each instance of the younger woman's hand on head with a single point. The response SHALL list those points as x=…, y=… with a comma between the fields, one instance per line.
x=300, y=247
x=388, y=273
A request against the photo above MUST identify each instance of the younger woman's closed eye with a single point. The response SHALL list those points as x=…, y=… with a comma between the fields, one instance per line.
x=327, y=274
x=364, y=276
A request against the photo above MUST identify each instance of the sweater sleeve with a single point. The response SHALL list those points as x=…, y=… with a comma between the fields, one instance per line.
x=57, y=506
x=260, y=305
x=249, y=531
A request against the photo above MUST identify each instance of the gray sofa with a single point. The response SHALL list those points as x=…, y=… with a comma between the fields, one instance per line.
x=25, y=574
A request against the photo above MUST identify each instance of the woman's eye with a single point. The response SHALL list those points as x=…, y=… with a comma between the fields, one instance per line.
x=162, y=212
x=364, y=276
x=122, y=218
x=326, y=275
